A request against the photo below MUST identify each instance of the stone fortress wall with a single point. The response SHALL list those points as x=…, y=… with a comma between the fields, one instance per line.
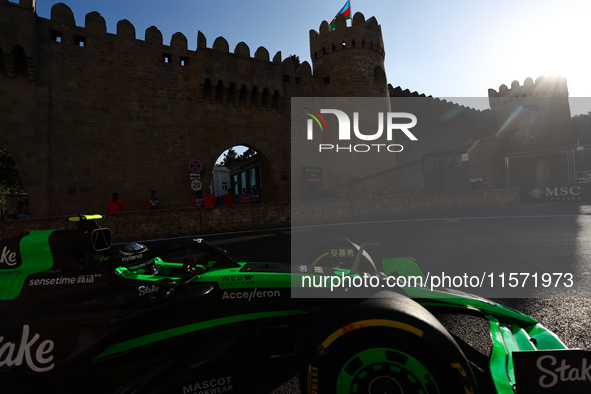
x=85, y=112
x=127, y=115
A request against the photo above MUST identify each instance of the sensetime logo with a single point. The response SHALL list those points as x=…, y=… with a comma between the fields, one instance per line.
x=389, y=122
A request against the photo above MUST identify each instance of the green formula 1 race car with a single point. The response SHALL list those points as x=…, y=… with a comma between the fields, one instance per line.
x=186, y=318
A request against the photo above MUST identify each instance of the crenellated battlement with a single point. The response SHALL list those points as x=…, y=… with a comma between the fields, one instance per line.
x=62, y=22
x=155, y=106
x=349, y=60
x=542, y=87
x=29, y=4
x=214, y=65
x=362, y=34
x=398, y=92
x=222, y=74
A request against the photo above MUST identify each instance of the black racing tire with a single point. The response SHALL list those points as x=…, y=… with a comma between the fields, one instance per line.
x=386, y=344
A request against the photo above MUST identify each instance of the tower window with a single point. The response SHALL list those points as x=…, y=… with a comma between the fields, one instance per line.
x=184, y=61
x=167, y=57
x=55, y=35
x=80, y=41
x=326, y=80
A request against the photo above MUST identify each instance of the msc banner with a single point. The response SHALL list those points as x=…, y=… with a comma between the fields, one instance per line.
x=576, y=192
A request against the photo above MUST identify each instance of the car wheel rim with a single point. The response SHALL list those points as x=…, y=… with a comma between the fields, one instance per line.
x=384, y=371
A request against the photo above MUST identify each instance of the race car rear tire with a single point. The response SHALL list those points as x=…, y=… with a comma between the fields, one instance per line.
x=385, y=344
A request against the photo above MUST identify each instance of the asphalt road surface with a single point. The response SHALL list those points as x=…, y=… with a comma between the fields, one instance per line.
x=526, y=239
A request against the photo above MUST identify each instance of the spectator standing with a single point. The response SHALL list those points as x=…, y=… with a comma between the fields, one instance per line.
x=244, y=197
x=230, y=198
x=152, y=202
x=209, y=199
x=22, y=211
x=115, y=204
x=197, y=201
x=256, y=196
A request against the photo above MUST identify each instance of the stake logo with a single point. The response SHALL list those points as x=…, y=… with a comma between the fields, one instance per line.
x=8, y=257
x=554, y=371
x=344, y=130
x=143, y=290
x=37, y=356
x=554, y=374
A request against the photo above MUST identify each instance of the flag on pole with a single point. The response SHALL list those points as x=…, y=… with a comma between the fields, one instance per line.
x=346, y=11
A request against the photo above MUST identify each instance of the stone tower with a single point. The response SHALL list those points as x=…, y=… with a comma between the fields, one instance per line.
x=540, y=108
x=349, y=60
x=534, y=120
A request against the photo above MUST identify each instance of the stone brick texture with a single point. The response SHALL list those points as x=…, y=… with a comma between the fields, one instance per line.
x=85, y=112
x=182, y=222
x=168, y=223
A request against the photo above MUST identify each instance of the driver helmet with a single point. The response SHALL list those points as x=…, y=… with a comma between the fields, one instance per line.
x=129, y=251
x=148, y=267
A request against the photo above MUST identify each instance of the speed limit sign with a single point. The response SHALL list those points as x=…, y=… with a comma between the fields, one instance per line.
x=196, y=185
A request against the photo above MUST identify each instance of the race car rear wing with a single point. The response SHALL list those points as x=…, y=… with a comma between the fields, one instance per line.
x=46, y=250
x=91, y=236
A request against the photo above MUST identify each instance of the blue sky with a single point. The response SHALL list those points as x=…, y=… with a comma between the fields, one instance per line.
x=457, y=48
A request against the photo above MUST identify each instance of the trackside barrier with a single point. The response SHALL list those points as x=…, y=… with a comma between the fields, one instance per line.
x=167, y=223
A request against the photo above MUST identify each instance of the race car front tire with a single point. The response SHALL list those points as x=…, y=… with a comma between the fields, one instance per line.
x=385, y=344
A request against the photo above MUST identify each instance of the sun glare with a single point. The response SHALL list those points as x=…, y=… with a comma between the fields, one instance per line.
x=551, y=42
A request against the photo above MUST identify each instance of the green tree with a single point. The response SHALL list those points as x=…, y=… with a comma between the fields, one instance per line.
x=296, y=60
x=10, y=181
x=582, y=128
x=247, y=154
x=230, y=157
